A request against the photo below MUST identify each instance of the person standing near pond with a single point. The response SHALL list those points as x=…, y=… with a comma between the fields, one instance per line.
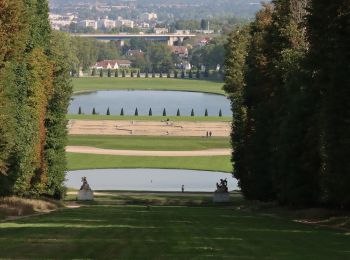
x=183, y=188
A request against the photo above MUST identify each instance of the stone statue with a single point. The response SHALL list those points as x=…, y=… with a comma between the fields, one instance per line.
x=222, y=187
x=85, y=185
x=221, y=194
x=85, y=192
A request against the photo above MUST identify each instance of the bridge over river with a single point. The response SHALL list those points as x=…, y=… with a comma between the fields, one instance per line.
x=169, y=38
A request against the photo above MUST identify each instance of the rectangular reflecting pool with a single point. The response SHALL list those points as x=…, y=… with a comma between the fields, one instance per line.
x=149, y=179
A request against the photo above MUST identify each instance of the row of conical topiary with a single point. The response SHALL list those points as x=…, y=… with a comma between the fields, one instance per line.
x=150, y=113
x=190, y=74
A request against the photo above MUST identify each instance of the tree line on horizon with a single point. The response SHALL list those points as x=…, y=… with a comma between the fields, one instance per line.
x=35, y=90
x=287, y=75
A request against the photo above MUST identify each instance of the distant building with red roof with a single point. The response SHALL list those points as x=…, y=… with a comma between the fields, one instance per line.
x=112, y=64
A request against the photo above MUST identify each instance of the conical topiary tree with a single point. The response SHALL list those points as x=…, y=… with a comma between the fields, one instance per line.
x=136, y=112
x=164, y=112
x=206, y=72
x=153, y=74
x=101, y=73
x=192, y=112
x=93, y=111
x=161, y=75
x=206, y=112
x=132, y=74
x=150, y=112
x=146, y=76
x=123, y=73
x=116, y=73
x=175, y=74
x=79, y=111
x=108, y=112
x=178, y=112
x=93, y=72
x=168, y=75
x=138, y=74
x=109, y=73
x=122, y=112
x=220, y=113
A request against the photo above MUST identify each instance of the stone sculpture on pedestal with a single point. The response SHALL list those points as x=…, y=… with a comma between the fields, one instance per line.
x=221, y=194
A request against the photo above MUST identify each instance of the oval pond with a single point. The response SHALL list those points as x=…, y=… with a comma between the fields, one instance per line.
x=149, y=179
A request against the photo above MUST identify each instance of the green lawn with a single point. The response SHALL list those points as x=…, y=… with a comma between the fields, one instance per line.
x=152, y=118
x=78, y=161
x=110, y=231
x=158, y=143
x=97, y=83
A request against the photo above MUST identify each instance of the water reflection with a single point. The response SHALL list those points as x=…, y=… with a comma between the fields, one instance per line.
x=143, y=100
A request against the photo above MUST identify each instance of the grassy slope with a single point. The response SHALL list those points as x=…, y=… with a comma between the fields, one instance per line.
x=167, y=232
x=96, y=83
x=159, y=143
x=152, y=118
x=78, y=161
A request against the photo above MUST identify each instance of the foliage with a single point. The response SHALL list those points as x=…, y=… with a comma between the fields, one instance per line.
x=35, y=92
x=290, y=103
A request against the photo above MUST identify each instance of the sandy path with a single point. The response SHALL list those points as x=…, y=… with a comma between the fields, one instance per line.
x=94, y=150
x=147, y=128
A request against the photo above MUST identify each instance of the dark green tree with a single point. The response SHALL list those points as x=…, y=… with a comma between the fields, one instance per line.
x=164, y=112
x=108, y=112
x=93, y=111
x=150, y=112
x=190, y=74
x=123, y=74
x=79, y=111
x=101, y=73
x=178, y=112
x=109, y=73
x=136, y=112
x=192, y=112
x=116, y=73
x=206, y=112
x=122, y=112
x=183, y=74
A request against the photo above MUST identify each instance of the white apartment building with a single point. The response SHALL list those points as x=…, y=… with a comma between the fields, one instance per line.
x=88, y=23
x=105, y=23
x=148, y=16
x=160, y=30
x=125, y=23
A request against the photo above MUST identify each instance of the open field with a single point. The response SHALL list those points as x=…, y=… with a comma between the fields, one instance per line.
x=107, y=229
x=96, y=83
x=152, y=118
x=148, y=128
x=150, y=143
x=77, y=161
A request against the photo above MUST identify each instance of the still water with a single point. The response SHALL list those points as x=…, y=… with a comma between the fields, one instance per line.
x=149, y=179
x=143, y=100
